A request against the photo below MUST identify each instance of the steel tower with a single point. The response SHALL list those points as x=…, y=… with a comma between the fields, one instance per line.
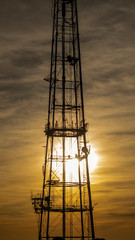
x=65, y=206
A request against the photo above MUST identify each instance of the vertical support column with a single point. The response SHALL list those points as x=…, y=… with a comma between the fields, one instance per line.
x=63, y=110
x=50, y=93
x=76, y=102
x=79, y=172
x=43, y=191
x=53, y=116
x=82, y=101
x=50, y=178
x=71, y=214
x=89, y=194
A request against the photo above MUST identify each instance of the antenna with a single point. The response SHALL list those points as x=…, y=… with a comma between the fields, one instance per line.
x=65, y=207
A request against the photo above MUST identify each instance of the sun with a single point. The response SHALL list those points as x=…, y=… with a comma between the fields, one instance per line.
x=72, y=161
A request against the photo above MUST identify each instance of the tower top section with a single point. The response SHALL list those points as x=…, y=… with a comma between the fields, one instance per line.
x=66, y=94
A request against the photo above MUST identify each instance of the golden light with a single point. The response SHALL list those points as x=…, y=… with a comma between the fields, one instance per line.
x=71, y=164
x=72, y=170
x=92, y=159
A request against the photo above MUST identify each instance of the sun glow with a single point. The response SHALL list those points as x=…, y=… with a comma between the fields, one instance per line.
x=72, y=162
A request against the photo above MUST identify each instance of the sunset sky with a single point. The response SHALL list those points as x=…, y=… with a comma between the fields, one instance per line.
x=107, y=35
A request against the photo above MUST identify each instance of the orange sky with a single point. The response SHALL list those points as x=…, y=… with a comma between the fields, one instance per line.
x=108, y=50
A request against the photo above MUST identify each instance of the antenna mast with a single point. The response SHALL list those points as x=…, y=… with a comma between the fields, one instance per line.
x=65, y=205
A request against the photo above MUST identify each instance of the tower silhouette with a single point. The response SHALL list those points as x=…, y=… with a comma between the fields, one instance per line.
x=65, y=207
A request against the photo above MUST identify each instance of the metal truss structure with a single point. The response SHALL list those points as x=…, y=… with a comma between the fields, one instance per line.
x=65, y=207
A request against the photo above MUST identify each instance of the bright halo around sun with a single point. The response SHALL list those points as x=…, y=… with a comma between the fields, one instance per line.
x=71, y=163
x=92, y=160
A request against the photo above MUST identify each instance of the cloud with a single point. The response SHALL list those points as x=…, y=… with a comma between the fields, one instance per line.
x=130, y=133
x=24, y=16
x=8, y=112
x=118, y=115
x=122, y=215
x=27, y=58
x=13, y=211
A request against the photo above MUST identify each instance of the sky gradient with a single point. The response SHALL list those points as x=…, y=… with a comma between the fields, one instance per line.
x=108, y=65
